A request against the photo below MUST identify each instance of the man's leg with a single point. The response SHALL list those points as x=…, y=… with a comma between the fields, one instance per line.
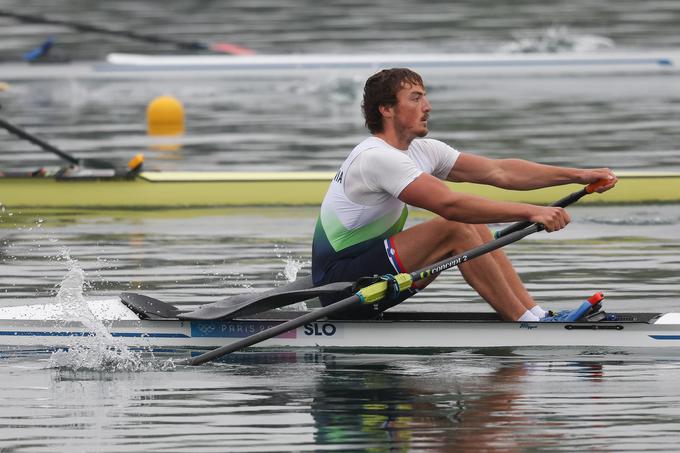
x=491, y=275
x=371, y=262
x=508, y=270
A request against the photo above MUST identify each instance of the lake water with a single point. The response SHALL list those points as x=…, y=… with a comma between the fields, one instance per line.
x=529, y=400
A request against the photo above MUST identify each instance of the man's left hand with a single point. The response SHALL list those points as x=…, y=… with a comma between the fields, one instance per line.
x=597, y=174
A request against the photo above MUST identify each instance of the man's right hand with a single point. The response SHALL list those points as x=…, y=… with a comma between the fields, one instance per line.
x=552, y=218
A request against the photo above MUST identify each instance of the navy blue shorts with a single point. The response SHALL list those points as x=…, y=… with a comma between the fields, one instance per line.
x=380, y=259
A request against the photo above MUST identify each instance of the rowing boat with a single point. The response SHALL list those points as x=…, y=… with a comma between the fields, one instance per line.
x=255, y=320
x=243, y=61
x=396, y=330
x=136, y=66
x=151, y=189
x=96, y=184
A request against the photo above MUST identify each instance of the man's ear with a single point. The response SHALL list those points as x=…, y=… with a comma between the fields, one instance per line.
x=386, y=111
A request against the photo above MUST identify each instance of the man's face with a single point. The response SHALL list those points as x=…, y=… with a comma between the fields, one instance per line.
x=412, y=111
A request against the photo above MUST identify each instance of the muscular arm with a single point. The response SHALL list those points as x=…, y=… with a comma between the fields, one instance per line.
x=430, y=193
x=518, y=174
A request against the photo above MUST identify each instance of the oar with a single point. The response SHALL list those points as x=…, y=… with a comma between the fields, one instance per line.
x=180, y=44
x=368, y=295
x=298, y=291
x=248, y=304
x=35, y=140
x=562, y=203
x=21, y=133
x=377, y=291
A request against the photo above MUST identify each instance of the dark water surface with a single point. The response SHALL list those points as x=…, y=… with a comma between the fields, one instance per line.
x=462, y=401
x=523, y=400
x=531, y=400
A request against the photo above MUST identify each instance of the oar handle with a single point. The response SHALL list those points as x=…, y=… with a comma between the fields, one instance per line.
x=35, y=140
x=561, y=203
x=593, y=186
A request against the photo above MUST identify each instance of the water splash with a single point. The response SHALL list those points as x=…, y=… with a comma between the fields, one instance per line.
x=290, y=270
x=99, y=350
x=556, y=39
x=291, y=265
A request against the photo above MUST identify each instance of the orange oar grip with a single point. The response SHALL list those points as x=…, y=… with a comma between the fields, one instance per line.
x=593, y=186
x=595, y=298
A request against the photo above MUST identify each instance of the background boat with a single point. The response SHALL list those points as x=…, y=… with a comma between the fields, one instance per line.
x=220, y=189
x=431, y=66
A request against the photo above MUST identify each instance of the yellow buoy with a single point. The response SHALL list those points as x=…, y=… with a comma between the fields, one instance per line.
x=4, y=86
x=165, y=116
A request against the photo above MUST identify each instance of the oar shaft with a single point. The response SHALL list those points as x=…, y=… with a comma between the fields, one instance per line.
x=274, y=331
x=35, y=140
x=376, y=288
x=561, y=203
x=490, y=246
x=104, y=30
x=377, y=291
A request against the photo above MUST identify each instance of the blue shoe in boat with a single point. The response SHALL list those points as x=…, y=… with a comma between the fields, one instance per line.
x=557, y=317
x=591, y=305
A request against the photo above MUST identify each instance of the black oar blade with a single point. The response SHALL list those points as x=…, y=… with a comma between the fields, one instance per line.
x=147, y=307
x=250, y=304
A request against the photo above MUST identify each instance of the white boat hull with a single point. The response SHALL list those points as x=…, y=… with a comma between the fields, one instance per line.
x=400, y=330
x=134, y=66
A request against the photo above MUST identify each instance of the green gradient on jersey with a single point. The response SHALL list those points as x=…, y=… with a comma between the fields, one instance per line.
x=341, y=238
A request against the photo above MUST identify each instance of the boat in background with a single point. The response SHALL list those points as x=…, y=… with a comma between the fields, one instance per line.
x=155, y=189
x=99, y=184
x=140, y=66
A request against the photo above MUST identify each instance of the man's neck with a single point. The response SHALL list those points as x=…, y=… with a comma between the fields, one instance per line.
x=393, y=140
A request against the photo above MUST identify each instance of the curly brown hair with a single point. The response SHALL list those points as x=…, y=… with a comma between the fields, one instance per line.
x=382, y=89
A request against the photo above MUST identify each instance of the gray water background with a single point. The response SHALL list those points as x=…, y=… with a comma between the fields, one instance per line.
x=532, y=400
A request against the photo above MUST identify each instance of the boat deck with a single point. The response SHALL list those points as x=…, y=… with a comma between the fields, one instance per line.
x=442, y=317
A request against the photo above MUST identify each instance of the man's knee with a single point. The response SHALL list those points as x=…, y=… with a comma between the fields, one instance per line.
x=465, y=234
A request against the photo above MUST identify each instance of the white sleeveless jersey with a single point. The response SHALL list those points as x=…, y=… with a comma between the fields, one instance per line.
x=361, y=203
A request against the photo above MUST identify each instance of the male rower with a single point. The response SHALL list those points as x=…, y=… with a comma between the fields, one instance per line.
x=360, y=227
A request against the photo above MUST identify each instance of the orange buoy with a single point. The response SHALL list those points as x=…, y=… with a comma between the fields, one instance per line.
x=165, y=116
